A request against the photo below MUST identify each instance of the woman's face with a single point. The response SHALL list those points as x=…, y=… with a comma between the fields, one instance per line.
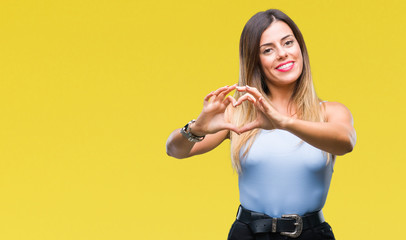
x=280, y=55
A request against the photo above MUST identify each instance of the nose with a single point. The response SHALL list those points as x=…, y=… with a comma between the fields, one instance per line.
x=282, y=53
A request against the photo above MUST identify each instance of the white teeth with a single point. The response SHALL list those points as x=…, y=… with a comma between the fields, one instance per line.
x=285, y=66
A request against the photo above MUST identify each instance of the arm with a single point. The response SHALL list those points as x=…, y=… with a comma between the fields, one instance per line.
x=179, y=147
x=336, y=136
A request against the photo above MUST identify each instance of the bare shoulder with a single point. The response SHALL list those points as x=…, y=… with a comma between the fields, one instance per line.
x=337, y=111
x=335, y=106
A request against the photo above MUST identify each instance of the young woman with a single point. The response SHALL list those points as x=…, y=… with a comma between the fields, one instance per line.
x=284, y=139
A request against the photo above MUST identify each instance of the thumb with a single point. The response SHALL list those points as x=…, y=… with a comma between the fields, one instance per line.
x=231, y=127
x=249, y=126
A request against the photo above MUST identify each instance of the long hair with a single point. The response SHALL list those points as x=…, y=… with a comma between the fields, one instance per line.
x=304, y=97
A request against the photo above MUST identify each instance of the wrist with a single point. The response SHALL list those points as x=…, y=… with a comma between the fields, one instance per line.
x=196, y=130
x=287, y=123
x=186, y=132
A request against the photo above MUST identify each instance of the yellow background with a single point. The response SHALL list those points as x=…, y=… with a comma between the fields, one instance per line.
x=90, y=91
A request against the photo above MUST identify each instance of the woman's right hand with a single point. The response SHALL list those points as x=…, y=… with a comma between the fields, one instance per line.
x=212, y=119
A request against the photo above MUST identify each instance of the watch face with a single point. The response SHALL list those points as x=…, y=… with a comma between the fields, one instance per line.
x=187, y=128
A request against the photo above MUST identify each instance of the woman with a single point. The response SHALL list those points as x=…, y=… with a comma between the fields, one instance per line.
x=283, y=138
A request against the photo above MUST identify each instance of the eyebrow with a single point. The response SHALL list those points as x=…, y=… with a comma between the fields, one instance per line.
x=266, y=44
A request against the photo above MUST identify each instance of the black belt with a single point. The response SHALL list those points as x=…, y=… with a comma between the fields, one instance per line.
x=290, y=225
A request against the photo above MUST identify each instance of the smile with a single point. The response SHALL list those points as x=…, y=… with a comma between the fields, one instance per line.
x=285, y=67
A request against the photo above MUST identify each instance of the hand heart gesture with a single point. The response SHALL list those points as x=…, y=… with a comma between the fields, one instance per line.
x=212, y=119
x=267, y=118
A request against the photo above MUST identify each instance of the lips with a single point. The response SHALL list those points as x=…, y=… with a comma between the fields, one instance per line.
x=284, y=67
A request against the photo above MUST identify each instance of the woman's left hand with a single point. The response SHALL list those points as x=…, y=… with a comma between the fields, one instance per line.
x=267, y=118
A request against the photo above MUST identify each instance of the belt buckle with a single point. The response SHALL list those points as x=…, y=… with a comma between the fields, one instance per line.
x=298, y=225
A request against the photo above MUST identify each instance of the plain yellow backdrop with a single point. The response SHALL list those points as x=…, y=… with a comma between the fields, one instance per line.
x=90, y=91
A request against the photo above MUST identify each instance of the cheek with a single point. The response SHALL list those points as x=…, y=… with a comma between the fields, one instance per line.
x=266, y=64
x=300, y=60
x=301, y=64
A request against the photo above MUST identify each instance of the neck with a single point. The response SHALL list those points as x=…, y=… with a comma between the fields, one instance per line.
x=280, y=98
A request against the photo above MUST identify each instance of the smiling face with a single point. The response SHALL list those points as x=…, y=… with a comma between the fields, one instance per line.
x=280, y=55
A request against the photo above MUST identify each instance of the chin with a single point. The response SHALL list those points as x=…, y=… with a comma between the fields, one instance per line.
x=291, y=78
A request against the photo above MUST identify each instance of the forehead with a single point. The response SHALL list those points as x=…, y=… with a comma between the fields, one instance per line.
x=275, y=32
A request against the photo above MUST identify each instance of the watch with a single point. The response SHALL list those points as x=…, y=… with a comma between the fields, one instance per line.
x=185, y=131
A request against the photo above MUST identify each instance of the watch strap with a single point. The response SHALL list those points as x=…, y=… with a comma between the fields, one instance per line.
x=185, y=131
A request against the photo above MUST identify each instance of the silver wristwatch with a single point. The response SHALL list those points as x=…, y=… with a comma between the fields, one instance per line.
x=185, y=131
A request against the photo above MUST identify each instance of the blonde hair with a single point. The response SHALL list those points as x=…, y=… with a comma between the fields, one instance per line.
x=304, y=97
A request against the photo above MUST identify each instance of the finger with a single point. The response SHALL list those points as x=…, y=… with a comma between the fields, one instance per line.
x=208, y=96
x=231, y=127
x=229, y=100
x=265, y=106
x=241, y=88
x=249, y=126
x=252, y=90
x=222, y=94
x=260, y=104
x=216, y=92
x=245, y=97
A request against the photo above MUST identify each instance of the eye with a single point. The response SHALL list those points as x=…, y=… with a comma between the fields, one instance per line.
x=267, y=51
x=288, y=43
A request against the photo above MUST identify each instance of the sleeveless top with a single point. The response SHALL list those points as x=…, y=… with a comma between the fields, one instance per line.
x=282, y=174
